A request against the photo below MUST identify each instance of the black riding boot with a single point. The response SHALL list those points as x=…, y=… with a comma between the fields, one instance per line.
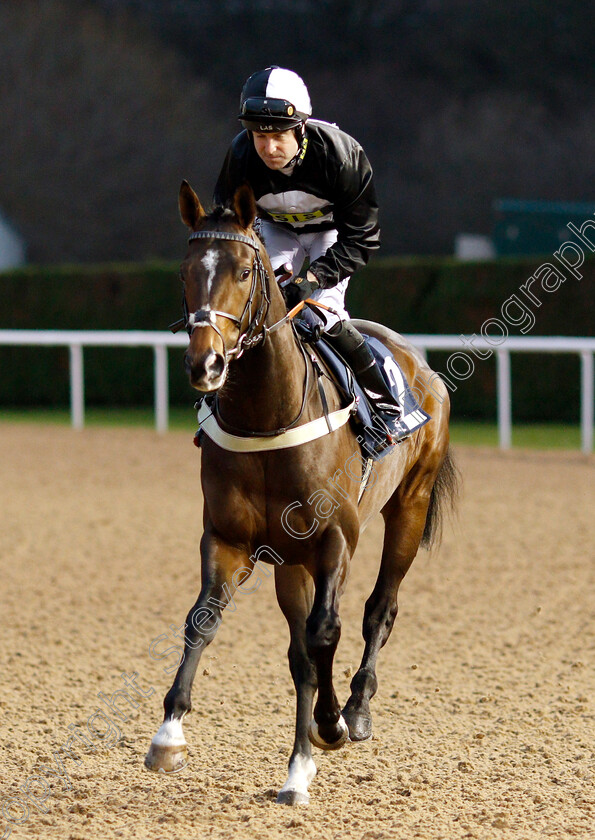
x=350, y=343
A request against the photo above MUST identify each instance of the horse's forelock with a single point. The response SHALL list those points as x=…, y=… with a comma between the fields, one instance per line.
x=225, y=214
x=220, y=214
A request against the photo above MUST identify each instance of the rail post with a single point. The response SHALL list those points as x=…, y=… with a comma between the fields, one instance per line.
x=77, y=386
x=587, y=401
x=504, y=400
x=161, y=388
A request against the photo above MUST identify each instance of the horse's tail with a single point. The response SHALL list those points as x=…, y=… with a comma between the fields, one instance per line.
x=443, y=500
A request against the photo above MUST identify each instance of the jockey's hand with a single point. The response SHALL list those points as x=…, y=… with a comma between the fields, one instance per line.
x=300, y=288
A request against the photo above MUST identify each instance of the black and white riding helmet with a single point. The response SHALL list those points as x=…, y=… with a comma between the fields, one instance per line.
x=274, y=99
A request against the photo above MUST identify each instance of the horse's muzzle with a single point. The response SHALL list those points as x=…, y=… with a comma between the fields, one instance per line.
x=206, y=372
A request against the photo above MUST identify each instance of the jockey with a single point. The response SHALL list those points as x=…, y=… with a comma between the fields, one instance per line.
x=316, y=202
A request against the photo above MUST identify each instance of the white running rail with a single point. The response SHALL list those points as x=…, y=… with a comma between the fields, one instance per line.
x=75, y=340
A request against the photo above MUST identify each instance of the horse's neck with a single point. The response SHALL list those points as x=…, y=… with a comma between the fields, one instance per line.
x=265, y=386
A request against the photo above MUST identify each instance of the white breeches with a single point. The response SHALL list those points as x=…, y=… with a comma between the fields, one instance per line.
x=286, y=246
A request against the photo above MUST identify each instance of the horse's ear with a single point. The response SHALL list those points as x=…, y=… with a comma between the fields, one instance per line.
x=190, y=207
x=244, y=205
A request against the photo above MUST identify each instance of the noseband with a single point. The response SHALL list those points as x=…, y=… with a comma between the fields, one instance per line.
x=255, y=332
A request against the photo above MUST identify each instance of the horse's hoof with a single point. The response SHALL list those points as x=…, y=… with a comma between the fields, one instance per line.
x=360, y=727
x=362, y=731
x=358, y=718
x=318, y=741
x=164, y=759
x=292, y=797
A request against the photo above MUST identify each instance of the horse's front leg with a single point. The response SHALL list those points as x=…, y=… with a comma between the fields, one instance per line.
x=295, y=594
x=327, y=730
x=220, y=562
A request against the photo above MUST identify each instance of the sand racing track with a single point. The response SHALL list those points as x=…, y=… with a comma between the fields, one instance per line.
x=484, y=723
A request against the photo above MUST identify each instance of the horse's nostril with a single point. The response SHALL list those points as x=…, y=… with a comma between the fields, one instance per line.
x=206, y=371
x=215, y=366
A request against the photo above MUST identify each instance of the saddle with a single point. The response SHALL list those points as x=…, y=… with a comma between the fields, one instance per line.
x=376, y=434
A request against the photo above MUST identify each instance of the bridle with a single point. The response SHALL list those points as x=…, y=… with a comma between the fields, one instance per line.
x=256, y=331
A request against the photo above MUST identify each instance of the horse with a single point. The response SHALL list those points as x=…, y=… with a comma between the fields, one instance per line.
x=264, y=484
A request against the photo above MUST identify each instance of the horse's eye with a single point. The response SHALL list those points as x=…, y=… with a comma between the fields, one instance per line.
x=245, y=274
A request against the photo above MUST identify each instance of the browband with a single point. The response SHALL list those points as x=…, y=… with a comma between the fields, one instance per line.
x=219, y=234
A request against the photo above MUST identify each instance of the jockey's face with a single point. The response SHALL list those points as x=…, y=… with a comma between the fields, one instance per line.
x=275, y=148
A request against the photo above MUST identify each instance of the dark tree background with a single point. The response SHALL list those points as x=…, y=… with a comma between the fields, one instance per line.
x=107, y=104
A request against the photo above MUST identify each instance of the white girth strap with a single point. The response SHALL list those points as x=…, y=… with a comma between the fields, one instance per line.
x=292, y=437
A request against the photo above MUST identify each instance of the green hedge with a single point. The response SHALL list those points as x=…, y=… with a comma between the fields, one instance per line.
x=115, y=297
x=410, y=295
x=447, y=296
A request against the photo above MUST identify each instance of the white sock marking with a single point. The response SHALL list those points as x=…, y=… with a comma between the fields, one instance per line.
x=301, y=772
x=170, y=734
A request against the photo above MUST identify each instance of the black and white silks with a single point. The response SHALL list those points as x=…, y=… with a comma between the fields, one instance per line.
x=330, y=188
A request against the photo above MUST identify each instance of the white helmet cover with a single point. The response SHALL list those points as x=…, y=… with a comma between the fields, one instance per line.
x=274, y=99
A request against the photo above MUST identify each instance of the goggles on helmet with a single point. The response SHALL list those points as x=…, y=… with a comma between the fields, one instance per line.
x=263, y=114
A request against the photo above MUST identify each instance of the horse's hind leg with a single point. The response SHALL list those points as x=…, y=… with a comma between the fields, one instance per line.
x=220, y=561
x=295, y=594
x=404, y=526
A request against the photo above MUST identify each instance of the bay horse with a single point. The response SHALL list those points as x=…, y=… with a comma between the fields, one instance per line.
x=259, y=499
